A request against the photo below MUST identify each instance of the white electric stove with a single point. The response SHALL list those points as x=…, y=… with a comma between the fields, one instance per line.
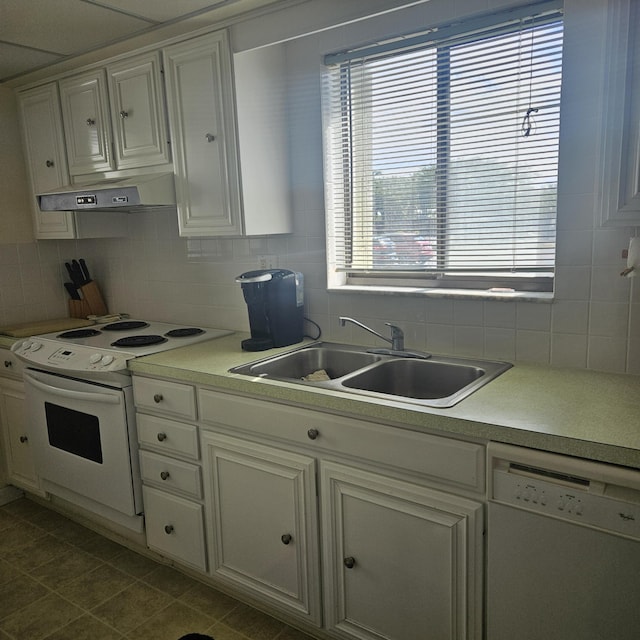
x=81, y=412
x=101, y=351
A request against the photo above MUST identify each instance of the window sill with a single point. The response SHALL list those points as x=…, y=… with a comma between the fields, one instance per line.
x=458, y=294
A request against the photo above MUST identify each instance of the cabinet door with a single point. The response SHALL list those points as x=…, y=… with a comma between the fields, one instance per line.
x=137, y=112
x=262, y=520
x=87, y=129
x=45, y=154
x=20, y=466
x=202, y=123
x=400, y=561
x=260, y=78
x=175, y=527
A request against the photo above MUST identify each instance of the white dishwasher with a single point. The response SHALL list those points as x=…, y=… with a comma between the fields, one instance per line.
x=563, y=549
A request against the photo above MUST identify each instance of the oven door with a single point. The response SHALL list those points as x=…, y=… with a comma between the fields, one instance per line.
x=83, y=442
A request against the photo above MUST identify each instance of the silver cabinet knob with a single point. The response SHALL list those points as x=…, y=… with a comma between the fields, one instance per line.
x=124, y=114
x=8, y=364
x=49, y=163
x=286, y=538
x=349, y=562
x=161, y=437
x=90, y=122
x=313, y=434
x=210, y=137
x=164, y=475
x=157, y=398
x=24, y=439
x=168, y=529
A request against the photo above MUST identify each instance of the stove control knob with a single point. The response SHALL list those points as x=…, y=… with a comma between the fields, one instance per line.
x=36, y=345
x=107, y=360
x=26, y=345
x=94, y=358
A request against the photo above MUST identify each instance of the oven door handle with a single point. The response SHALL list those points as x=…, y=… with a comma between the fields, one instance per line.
x=72, y=395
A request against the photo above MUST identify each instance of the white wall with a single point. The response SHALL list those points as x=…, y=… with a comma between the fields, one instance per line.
x=594, y=321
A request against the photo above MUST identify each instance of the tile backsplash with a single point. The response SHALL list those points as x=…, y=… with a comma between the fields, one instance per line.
x=156, y=274
x=593, y=322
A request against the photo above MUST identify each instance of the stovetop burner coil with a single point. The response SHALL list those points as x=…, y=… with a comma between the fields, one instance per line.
x=125, y=325
x=79, y=333
x=184, y=332
x=139, y=341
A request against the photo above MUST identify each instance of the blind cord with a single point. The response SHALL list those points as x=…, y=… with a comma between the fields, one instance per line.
x=528, y=124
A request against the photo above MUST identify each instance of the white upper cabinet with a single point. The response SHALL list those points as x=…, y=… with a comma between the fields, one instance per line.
x=261, y=111
x=46, y=160
x=137, y=114
x=200, y=106
x=47, y=169
x=87, y=127
x=618, y=179
x=228, y=142
x=115, y=120
x=230, y=155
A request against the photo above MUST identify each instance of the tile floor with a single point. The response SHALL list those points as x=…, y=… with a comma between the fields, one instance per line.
x=62, y=581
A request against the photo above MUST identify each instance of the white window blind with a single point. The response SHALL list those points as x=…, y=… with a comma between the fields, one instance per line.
x=442, y=150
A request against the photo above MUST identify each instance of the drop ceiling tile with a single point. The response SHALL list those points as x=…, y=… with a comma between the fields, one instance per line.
x=17, y=60
x=64, y=26
x=163, y=10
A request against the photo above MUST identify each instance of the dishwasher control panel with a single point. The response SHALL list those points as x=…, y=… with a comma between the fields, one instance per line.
x=591, y=494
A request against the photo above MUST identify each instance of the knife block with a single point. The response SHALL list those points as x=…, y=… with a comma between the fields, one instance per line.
x=92, y=302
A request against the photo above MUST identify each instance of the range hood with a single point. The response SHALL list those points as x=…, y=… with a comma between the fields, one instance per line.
x=153, y=190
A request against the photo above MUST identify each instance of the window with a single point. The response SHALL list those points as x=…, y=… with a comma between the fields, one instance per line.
x=442, y=155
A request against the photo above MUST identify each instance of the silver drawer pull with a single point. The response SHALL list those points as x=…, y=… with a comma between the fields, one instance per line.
x=157, y=398
x=90, y=122
x=24, y=439
x=210, y=137
x=168, y=529
x=286, y=538
x=124, y=114
x=8, y=364
x=49, y=163
x=313, y=434
x=161, y=437
x=164, y=475
x=349, y=562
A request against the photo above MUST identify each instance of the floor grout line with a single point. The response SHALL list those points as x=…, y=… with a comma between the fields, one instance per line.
x=72, y=538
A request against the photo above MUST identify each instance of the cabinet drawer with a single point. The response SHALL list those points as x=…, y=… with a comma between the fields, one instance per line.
x=447, y=460
x=175, y=527
x=168, y=436
x=10, y=366
x=165, y=397
x=171, y=474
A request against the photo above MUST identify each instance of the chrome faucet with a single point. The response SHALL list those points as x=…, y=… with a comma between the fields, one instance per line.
x=396, y=340
x=397, y=335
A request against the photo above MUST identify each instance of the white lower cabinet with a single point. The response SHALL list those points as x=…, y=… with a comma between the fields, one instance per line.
x=262, y=524
x=400, y=561
x=171, y=471
x=20, y=467
x=175, y=527
x=365, y=531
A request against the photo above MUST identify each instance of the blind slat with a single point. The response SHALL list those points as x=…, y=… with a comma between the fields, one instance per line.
x=444, y=157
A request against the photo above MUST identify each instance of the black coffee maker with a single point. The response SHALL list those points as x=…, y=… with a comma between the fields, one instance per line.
x=275, y=299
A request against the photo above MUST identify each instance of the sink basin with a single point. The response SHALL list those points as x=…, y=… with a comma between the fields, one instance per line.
x=418, y=379
x=335, y=360
x=431, y=382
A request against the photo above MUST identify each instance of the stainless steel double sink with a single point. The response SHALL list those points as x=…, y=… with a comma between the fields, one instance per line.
x=430, y=381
